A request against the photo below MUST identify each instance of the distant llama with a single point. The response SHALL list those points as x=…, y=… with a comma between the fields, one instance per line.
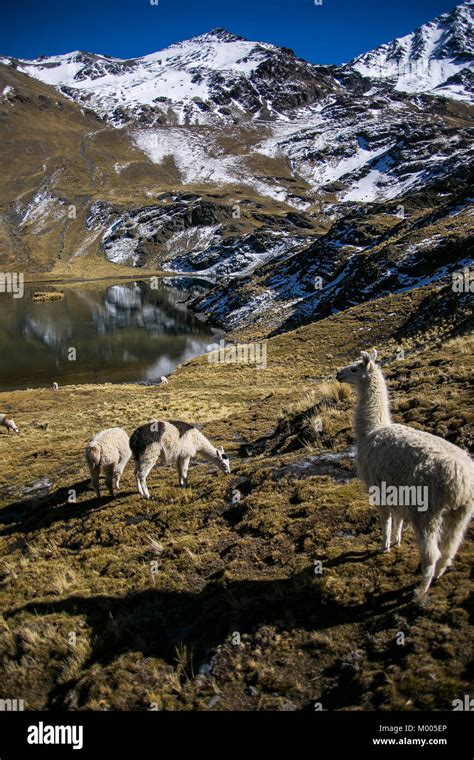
x=109, y=450
x=400, y=458
x=8, y=423
x=173, y=442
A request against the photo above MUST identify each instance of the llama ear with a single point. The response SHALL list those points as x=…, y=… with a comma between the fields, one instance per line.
x=365, y=357
x=373, y=354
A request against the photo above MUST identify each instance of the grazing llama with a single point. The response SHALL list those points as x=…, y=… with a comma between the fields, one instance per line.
x=110, y=450
x=8, y=423
x=402, y=458
x=172, y=442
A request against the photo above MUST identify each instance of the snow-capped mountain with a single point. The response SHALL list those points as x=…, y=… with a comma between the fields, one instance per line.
x=219, y=77
x=341, y=131
x=239, y=162
x=437, y=57
x=217, y=74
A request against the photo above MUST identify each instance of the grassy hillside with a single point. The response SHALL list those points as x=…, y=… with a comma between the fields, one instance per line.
x=57, y=159
x=206, y=598
x=66, y=160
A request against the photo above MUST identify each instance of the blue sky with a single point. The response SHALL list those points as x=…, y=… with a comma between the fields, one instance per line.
x=333, y=32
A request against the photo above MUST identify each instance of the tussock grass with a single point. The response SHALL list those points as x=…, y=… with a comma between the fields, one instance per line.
x=334, y=391
x=326, y=428
x=47, y=296
x=463, y=344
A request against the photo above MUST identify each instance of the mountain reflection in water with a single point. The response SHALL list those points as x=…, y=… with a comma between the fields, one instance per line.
x=127, y=332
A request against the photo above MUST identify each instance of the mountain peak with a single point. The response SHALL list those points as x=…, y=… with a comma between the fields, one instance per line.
x=428, y=57
x=221, y=34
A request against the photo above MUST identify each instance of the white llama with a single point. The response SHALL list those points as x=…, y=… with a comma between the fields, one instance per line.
x=110, y=451
x=9, y=423
x=173, y=442
x=396, y=458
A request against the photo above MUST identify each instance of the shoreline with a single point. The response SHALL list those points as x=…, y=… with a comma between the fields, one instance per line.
x=32, y=278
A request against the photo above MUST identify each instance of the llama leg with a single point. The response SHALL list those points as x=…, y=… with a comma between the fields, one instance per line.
x=452, y=533
x=137, y=470
x=386, y=524
x=142, y=479
x=184, y=469
x=109, y=478
x=117, y=474
x=143, y=469
x=429, y=554
x=139, y=484
x=119, y=468
x=397, y=527
x=91, y=471
x=95, y=473
x=179, y=467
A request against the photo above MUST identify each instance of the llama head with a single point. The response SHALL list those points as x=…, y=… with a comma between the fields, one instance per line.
x=357, y=373
x=223, y=461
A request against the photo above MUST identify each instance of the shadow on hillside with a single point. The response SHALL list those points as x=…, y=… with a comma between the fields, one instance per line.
x=32, y=514
x=351, y=556
x=155, y=621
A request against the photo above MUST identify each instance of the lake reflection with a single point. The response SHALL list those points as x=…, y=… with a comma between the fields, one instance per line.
x=127, y=332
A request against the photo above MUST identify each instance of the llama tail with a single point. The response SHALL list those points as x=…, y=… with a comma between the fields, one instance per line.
x=94, y=453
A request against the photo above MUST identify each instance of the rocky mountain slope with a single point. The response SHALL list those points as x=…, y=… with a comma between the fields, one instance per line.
x=219, y=76
x=237, y=161
x=437, y=57
x=213, y=77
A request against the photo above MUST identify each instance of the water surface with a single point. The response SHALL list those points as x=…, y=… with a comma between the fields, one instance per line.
x=127, y=332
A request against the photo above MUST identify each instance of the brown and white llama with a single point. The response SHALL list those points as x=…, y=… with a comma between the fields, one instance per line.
x=173, y=442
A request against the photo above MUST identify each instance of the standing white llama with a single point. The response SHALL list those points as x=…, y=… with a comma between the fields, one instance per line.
x=399, y=460
x=110, y=451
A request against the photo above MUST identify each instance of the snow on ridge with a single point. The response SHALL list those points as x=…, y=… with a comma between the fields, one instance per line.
x=118, y=168
x=199, y=160
x=123, y=251
x=376, y=185
x=177, y=73
x=424, y=59
x=7, y=93
x=191, y=153
x=211, y=54
x=43, y=208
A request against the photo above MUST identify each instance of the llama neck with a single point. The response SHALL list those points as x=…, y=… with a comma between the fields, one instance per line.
x=205, y=447
x=373, y=408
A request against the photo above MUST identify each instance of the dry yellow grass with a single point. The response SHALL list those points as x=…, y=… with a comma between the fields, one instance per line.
x=47, y=296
